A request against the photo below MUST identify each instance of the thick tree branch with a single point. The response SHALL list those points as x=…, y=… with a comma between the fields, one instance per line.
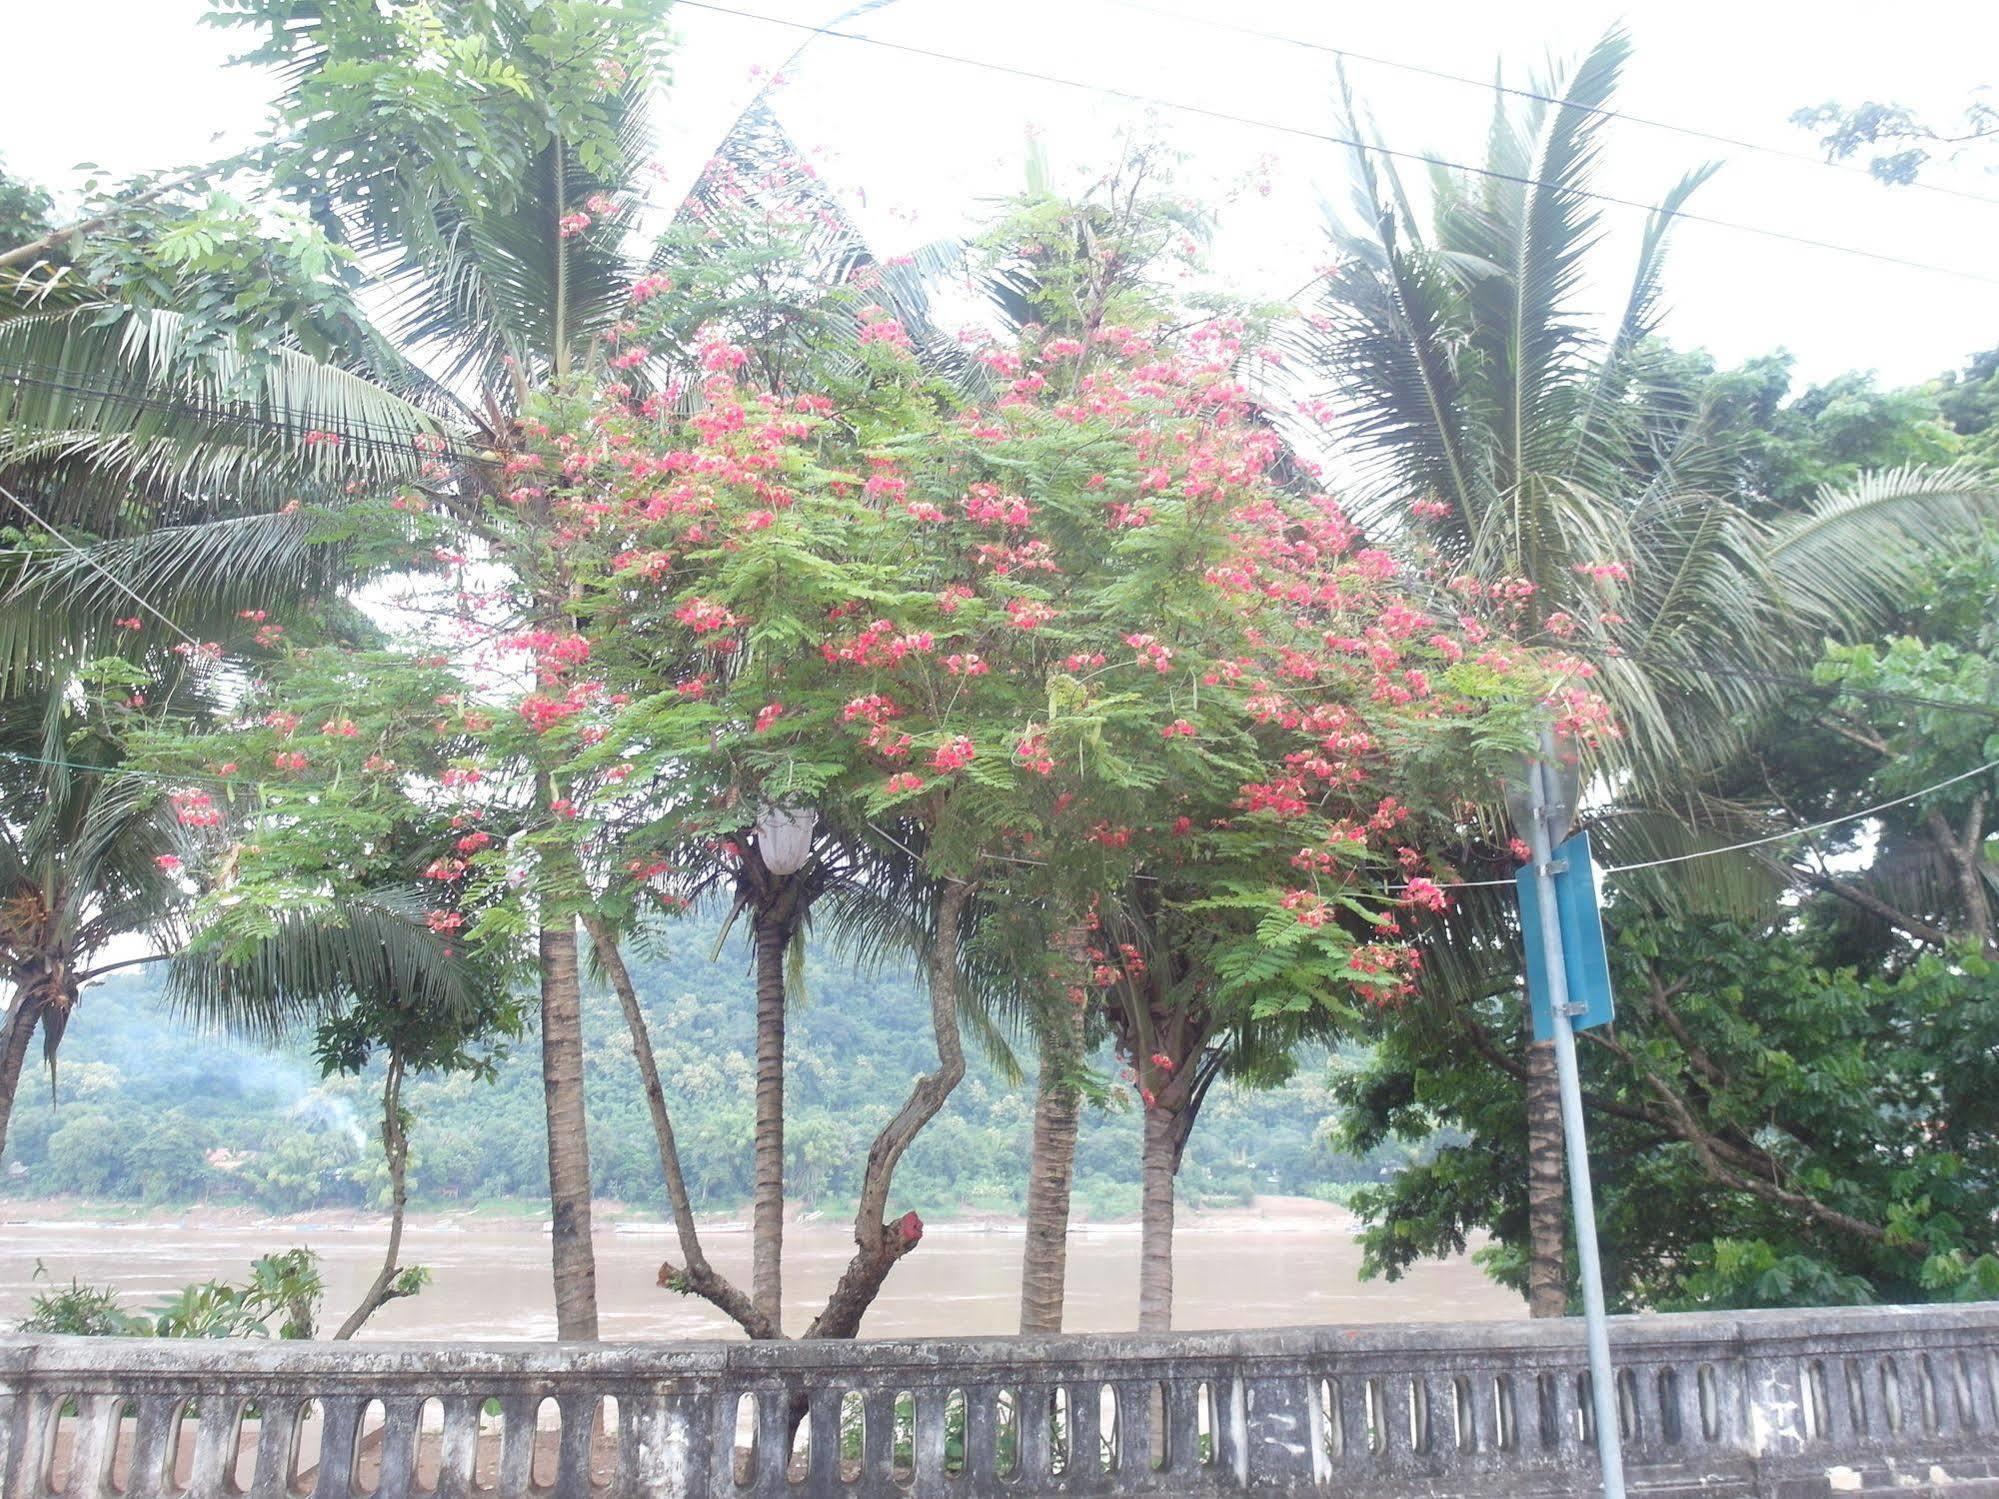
x=879, y=1245
x=1713, y=1151
x=1871, y=903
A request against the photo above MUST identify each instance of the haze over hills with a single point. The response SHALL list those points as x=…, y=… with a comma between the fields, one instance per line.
x=149, y=1109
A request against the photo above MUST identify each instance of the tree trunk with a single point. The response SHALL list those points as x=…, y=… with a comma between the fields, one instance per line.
x=767, y=1213
x=1051, y=1172
x=575, y=1260
x=1547, y=1275
x=396, y=1148
x=20, y=1029
x=1157, y=1168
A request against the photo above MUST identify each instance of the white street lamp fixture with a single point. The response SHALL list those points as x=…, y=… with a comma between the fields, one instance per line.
x=784, y=837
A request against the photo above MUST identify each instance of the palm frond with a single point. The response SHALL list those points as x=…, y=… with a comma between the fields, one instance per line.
x=308, y=965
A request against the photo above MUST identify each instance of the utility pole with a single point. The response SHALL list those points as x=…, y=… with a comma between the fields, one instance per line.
x=1549, y=819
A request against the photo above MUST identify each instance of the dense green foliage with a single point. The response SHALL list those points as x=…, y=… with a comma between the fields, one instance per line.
x=1794, y=1106
x=144, y=1100
x=282, y=1289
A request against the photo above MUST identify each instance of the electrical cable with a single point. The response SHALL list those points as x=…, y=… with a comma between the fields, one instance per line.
x=1254, y=122
x=95, y=566
x=1377, y=60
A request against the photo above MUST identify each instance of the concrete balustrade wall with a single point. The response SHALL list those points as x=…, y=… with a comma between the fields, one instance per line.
x=1901, y=1400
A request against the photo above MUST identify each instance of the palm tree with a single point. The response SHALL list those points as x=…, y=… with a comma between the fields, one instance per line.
x=88, y=859
x=461, y=204
x=1539, y=449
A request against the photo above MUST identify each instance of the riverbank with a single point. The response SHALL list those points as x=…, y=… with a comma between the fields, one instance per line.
x=1274, y=1214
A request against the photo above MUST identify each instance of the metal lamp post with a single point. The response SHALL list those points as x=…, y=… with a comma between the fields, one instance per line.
x=1545, y=807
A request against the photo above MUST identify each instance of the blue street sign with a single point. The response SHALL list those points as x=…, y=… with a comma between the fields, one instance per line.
x=1582, y=939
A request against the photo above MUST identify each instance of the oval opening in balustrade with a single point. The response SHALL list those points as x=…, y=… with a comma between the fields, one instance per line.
x=59, y=1445
x=177, y=1453
x=1891, y=1394
x=853, y=1417
x=605, y=1442
x=308, y=1424
x=124, y=1435
x=1812, y=1405
x=1058, y=1431
x=1505, y=1415
x=1006, y=1433
x=367, y=1455
x=1464, y=1420
x=956, y=1433
x=1330, y=1431
x=1585, y=1410
x=1856, y=1393
x=245, y=1437
x=902, y=1448
x=1629, y=1428
x=743, y=1440
x=489, y=1442
x=798, y=1461
x=1926, y=1391
x=1377, y=1417
x=546, y=1465
x=1205, y=1429
x=1419, y=1416
x=1962, y=1395
x=1109, y=1434
x=1160, y=1438
x=1668, y=1386
x=429, y=1457
x=1548, y=1410
x=1708, y=1387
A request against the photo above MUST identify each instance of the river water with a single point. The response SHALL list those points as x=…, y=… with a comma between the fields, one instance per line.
x=1288, y=1267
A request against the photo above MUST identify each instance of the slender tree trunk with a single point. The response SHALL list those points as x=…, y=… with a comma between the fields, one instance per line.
x=698, y=1277
x=1157, y=1167
x=767, y=1214
x=568, y=1137
x=396, y=1149
x=1547, y=1275
x=1051, y=1172
x=20, y=1029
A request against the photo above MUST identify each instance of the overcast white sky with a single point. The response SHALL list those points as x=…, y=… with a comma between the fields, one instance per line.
x=929, y=142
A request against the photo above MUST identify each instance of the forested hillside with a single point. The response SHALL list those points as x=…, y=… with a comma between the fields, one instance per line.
x=150, y=1110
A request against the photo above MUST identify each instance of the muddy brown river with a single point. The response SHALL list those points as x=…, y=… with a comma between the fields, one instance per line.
x=1284, y=1267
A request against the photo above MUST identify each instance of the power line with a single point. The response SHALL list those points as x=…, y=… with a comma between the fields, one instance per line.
x=1327, y=138
x=1768, y=838
x=1790, y=679
x=95, y=566
x=1816, y=827
x=1493, y=86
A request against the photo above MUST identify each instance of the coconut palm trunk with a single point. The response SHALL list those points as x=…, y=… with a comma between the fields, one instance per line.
x=1051, y=1174
x=767, y=1214
x=20, y=1029
x=575, y=1263
x=1547, y=1275
x=1158, y=1164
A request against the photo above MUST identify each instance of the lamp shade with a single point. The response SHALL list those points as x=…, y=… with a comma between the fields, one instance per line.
x=784, y=837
